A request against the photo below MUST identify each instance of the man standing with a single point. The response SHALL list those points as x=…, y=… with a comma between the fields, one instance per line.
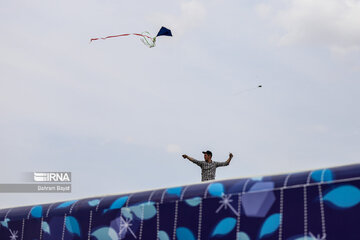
x=208, y=167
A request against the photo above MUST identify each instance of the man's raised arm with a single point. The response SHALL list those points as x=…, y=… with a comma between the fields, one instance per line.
x=227, y=162
x=192, y=159
x=229, y=159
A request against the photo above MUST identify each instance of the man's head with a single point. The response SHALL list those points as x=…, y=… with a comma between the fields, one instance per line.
x=207, y=156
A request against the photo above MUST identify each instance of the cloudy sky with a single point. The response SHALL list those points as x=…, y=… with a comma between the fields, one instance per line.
x=118, y=115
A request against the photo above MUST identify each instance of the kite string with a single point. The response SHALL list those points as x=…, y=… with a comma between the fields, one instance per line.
x=247, y=90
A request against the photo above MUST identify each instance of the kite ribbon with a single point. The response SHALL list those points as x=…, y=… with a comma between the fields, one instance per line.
x=121, y=35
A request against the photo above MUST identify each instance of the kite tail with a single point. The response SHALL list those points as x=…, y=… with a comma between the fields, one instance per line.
x=148, y=40
x=121, y=35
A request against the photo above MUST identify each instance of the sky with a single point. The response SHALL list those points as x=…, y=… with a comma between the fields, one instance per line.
x=119, y=115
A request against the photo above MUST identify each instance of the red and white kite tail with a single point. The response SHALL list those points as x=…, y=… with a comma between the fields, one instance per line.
x=121, y=35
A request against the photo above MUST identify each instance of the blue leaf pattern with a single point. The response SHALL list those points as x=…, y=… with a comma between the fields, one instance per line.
x=193, y=202
x=105, y=233
x=72, y=225
x=36, y=212
x=117, y=204
x=162, y=235
x=216, y=189
x=322, y=175
x=66, y=204
x=126, y=213
x=144, y=211
x=45, y=227
x=345, y=196
x=270, y=225
x=242, y=236
x=176, y=191
x=5, y=222
x=183, y=233
x=224, y=227
x=94, y=202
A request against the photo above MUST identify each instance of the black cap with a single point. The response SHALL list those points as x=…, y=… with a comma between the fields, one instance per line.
x=207, y=152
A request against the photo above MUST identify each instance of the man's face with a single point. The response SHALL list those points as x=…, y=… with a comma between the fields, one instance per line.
x=207, y=157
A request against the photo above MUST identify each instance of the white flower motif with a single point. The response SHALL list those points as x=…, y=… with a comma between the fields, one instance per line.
x=13, y=234
x=125, y=225
x=225, y=202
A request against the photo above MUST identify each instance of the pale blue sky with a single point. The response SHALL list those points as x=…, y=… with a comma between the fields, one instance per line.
x=119, y=115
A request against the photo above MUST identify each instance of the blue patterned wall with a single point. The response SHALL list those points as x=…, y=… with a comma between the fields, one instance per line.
x=321, y=204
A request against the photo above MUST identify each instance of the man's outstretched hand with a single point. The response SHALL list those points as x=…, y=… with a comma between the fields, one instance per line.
x=229, y=159
x=185, y=156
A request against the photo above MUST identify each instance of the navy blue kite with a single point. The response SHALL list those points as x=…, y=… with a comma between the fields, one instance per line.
x=146, y=38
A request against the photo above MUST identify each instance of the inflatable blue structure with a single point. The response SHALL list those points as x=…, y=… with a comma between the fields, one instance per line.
x=319, y=204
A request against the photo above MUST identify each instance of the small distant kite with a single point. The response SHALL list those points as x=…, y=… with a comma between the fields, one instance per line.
x=146, y=38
